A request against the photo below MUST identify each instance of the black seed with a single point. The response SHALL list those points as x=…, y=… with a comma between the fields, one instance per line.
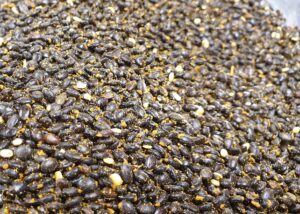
x=127, y=207
x=126, y=173
x=87, y=184
x=49, y=165
x=146, y=208
x=23, y=152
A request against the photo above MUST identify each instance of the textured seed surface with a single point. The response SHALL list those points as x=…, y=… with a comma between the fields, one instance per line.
x=148, y=107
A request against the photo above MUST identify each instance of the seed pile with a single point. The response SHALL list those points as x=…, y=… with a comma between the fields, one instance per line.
x=148, y=107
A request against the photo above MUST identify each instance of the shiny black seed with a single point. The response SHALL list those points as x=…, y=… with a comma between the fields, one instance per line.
x=23, y=152
x=49, y=165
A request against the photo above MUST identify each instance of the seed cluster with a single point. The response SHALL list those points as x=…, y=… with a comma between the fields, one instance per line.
x=111, y=106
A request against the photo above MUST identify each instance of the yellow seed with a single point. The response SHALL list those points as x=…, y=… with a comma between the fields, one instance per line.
x=58, y=175
x=5, y=166
x=39, y=186
x=116, y=180
x=205, y=43
x=123, y=124
x=232, y=69
x=110, y=211
x=215, y=182
x=41, y=153
x=108, y=161
x=296, y=130
x=199, y=198
x=269, y=203
x=218, y=176
x=255, y=203
x=200, y=111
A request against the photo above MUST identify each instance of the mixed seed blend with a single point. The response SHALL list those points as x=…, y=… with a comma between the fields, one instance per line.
x=148, y=106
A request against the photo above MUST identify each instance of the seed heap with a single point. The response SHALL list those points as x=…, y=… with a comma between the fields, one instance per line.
x=148, y=107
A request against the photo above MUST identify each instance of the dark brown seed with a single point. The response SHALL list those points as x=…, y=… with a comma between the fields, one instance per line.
x=51, y=139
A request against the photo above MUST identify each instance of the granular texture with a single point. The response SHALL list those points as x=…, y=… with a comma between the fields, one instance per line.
x=148, y=106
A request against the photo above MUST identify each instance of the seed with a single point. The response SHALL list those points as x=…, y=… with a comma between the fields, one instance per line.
x=179, y=68
x=116, y=130
x=126, y=207
x=116, y=180
x=246, y=146
x=58, y=176
x=200, y=111
x=49, y=165
x=126, y=173
x=224, y=153
x=197, y=21
x=77, y=19
x=81, y=85
x=17, y=141
x=255, y=203
x=171, y=77
x=276, y=35
x=109, y=161
x=1, y=41
x=23, y=152
x=296, y=130
x=87, y=184
x=206, y=174
x=146, y=208
x=60, y=99
x=205, y=43
x=131, y=40
x=147, y=146
x=87, y=97
x=51, y=139
x=176, y=96
x=6, y=153
x=218, y=176
x=215, y=182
